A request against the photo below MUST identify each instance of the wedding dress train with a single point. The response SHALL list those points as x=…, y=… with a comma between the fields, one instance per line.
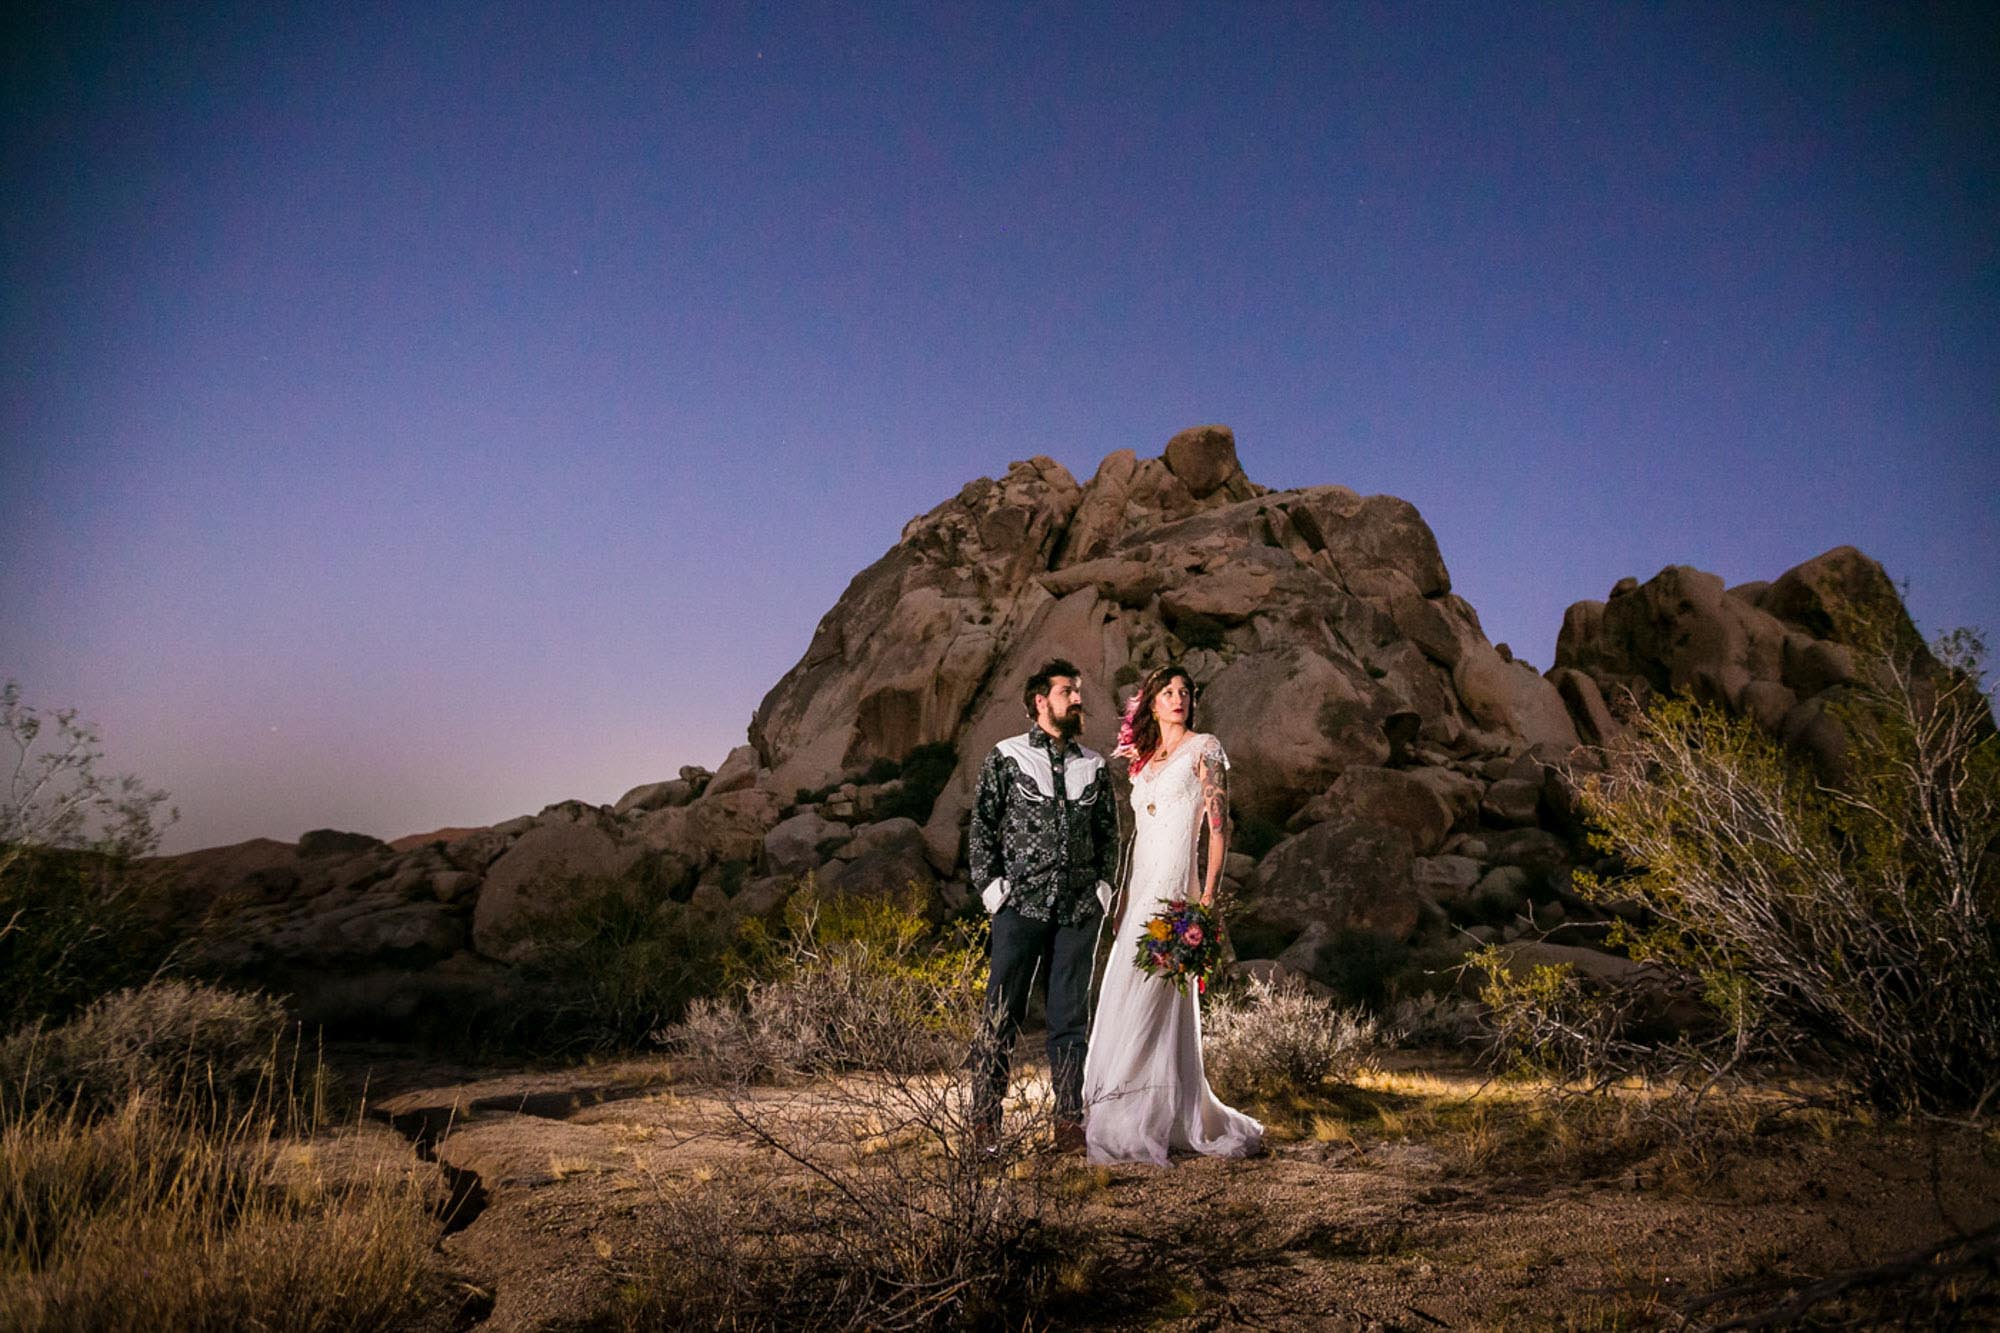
x=1144, y=1091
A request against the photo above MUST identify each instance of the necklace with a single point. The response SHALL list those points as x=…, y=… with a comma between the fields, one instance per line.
x=1158, y=761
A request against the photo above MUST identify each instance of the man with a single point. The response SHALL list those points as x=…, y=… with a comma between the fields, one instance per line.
x=1043, y=846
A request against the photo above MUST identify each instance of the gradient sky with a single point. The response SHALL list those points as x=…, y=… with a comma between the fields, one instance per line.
x=416, y=414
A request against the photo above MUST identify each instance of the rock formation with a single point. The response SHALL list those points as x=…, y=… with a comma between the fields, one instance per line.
x=1390, y=779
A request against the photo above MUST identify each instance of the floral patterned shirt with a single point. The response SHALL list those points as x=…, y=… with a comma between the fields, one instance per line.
x=1044, y=827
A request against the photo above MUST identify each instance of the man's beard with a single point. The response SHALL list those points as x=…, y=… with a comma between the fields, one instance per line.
x=1070, y=724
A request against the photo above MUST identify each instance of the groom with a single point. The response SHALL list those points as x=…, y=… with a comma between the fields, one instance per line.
x=1043, y=846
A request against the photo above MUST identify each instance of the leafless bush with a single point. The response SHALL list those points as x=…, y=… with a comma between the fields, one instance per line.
x=1280, y=1037
x=853, y=984
x=889, y=1204
x=1548, y=1020
x=1850, y=923
x=75, y=920
x=56, y=794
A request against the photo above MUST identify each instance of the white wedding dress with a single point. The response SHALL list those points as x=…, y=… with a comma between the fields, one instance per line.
x=1144, y=1092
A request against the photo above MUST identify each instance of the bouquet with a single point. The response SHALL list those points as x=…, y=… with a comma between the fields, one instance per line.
x=1182, y=943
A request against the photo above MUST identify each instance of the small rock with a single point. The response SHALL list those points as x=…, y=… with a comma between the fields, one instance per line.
x=793, y=844
x=1203, y=458
x=1501, y=892
x=1445, y=878
x=1512, y=801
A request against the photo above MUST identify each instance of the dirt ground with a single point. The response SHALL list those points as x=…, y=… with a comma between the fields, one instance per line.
x=1408, y=1204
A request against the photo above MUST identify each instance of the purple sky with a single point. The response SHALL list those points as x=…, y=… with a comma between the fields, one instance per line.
x=416, y=414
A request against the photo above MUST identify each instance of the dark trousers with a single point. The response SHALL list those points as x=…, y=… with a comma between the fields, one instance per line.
x=1062, y=955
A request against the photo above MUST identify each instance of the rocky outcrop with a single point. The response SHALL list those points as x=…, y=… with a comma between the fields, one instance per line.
x=1776, y=652
x=1319, y=623
x=1393, y=771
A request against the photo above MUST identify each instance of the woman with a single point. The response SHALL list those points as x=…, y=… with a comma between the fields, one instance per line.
x=1143, y=1085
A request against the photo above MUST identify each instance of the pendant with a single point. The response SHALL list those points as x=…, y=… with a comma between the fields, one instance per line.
x=1151, y=809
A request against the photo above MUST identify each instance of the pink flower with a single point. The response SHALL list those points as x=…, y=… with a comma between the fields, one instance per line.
x=1192, y=935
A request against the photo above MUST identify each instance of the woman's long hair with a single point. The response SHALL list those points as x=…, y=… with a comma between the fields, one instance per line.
x=1139, y=734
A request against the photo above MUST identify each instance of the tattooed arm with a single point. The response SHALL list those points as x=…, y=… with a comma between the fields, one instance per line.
x=1212, y=767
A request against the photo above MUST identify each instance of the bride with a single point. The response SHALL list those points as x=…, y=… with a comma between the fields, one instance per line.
x=1142, y=1082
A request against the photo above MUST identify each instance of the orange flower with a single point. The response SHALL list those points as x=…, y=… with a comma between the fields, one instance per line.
x=1158, y=929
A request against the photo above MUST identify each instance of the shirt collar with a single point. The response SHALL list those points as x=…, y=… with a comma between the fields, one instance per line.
x=1057, y=748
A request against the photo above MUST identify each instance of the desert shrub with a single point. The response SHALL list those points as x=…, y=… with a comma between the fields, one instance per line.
x=154, y=1215
x=879, y=771
x=925, y=771
x=201, y=1049
x=611, y=962
x=1273, y=1038
x=913, y=1238
x=1548, y=1021
x=75, y=921
x=1855, y=923
x=73, y=926
x=852, y=982
x=888, y=1204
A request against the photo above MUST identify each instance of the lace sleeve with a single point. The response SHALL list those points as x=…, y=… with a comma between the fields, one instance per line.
x=1212, y=767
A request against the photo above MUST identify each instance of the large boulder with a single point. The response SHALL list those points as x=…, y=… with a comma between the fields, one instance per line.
x=738, y=771
x=1291, y=721
x=537, y=874
x=655, y=795
x=899, y=659
x=1385, y=796
x=1319, y=622
x=730, y=826
x=1344, y=874
x=1509, y=697
x=794, y=844
x=1204, y=458
x=1777, y=652
x=1679, y=630
x=1838, y=595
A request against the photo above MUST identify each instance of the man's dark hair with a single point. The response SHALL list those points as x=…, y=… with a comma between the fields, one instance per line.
x=1039, y=682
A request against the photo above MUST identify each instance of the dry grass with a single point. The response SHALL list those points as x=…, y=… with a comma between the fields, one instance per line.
x=176, y=1207
x=140, y=1220
x=881, y=1199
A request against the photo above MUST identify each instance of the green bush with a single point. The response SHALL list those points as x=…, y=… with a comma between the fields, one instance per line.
x=74, y=925
x=1854, y=924
x=853, y=982
x=611, y=962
